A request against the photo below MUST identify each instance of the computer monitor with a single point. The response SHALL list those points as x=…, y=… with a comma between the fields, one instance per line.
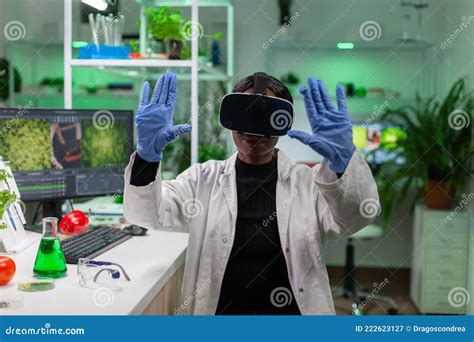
x=378, y=141
x=61, y=154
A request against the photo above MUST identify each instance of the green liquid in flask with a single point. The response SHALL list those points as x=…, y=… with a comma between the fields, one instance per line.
x=50, y=261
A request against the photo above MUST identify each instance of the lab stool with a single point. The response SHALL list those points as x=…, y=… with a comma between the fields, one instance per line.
x=349, y=289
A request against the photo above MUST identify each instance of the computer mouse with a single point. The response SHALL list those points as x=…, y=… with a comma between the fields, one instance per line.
x=135, y=230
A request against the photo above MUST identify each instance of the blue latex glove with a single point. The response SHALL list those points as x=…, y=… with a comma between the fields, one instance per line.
x=331, y=129
x=154, y=119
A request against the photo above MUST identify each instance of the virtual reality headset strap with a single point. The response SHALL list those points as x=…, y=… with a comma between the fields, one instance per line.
x=260, y=83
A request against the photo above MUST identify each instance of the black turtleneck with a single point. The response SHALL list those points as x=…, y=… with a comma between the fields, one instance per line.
x=256, y=276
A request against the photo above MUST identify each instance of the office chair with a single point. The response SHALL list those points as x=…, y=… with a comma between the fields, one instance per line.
x=349, y=290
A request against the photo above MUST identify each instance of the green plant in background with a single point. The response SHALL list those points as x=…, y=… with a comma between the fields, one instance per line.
x=167, y=24
x=185, y=52
x=217, y=36
x=5, y=77
x=164, y=23
x=134, y=45
x=213, y=138
x=292, y=81
x=212, y=152
x=290, y=78
x=104, y=147
x=26, y=143
x=437, y=146
x=6, y=197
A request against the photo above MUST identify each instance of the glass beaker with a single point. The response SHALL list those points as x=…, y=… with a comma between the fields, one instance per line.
x=50, y=261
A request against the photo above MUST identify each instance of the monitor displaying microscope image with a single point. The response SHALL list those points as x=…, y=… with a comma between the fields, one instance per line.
x=58, y=154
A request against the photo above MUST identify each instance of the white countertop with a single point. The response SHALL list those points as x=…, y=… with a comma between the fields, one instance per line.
x=150, y=262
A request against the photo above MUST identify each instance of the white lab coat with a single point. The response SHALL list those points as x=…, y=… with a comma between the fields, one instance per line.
x=312, y=203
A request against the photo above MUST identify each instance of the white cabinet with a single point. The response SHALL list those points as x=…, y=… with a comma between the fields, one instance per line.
x=440, y=261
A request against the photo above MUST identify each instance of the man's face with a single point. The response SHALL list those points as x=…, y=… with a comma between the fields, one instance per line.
x=254, y=145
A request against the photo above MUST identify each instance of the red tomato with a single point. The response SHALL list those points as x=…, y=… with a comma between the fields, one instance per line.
x=7, y=269
x=74, y=222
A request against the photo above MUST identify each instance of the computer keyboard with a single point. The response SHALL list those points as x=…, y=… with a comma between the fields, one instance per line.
x=92, y=243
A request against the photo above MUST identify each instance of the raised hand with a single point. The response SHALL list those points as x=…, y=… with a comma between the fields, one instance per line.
x=331, y=134
x=154, y=119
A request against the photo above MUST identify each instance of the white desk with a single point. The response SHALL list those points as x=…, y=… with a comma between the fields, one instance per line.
x=154, y=263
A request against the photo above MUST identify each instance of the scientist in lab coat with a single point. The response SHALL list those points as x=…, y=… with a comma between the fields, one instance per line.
x=256, y=222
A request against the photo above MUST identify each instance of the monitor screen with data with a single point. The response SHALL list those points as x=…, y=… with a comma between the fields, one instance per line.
x=60, y=154
x=378, y=141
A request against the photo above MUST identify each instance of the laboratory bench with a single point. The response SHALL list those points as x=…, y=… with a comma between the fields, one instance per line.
x=155, y=264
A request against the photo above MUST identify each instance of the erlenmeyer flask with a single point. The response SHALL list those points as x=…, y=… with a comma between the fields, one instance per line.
x=50, y=261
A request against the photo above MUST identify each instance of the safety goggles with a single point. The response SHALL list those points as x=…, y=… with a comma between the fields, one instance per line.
x=94, y=273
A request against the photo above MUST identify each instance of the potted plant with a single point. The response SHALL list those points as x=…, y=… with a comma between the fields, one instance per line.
x=291, y=80
x=6, y=197
x=164, y=23
x=436, y=149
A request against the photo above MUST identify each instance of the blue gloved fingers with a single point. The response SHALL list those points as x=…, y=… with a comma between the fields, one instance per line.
x=177, y=130
x=341, y=99
x=325, y=96
x=311, y=111
x=172, y=92
x=304, y=137
x=182, y=128
x=166, y=87
x=314, y=90
x=158, y=89
x=145, y=93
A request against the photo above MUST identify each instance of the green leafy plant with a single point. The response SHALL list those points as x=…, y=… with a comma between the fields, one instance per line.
x=167, y=24
x=217, y=36
x=134, y=45
x=290, y=78
x=5, y=77
x=185, y=52
x=437, y=146
x=164, y=23
x=6, y=197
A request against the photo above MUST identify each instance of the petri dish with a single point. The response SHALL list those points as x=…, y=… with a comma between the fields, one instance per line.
x=36, y=284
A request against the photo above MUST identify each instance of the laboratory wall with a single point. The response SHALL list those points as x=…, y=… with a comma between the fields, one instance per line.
x=302, y=49
x=430, y=72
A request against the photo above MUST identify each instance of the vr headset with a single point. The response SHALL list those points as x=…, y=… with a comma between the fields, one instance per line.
x=256, y=113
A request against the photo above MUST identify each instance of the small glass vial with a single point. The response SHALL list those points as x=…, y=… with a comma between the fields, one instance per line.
x=50, y=261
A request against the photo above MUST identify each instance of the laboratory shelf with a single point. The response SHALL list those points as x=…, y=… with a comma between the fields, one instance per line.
x=185, y=3
x=205, y=73
x=166, y=63
x=150, y=68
